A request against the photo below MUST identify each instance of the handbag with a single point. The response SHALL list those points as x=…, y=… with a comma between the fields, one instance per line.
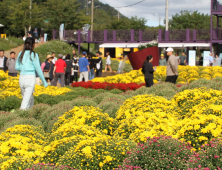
x=46, y=72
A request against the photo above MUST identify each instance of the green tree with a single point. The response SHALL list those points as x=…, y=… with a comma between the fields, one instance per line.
x=127, y=24
x=22, y=16
x=190, y=20
x=65, y=11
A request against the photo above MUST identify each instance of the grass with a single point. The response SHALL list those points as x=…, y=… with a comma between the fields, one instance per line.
x=59, y=47
x=10, y=42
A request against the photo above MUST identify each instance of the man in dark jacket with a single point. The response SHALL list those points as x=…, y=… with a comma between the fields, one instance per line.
x=3, y=61
x=99, y=64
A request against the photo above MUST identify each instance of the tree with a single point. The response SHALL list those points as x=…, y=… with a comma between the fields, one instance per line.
x=65, y=11
x=22, y=16
x=127, y=24
x=190, y=20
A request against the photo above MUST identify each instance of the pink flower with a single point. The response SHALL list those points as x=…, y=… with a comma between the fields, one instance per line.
x=216, y=156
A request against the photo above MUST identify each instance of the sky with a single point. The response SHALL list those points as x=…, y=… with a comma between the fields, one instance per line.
x=153, y=9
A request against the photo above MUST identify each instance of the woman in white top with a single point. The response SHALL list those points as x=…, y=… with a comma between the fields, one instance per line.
x=108, y=62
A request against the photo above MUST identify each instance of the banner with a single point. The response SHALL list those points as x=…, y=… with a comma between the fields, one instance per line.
x=61, y=32
x=192, y=58
x=206, y=61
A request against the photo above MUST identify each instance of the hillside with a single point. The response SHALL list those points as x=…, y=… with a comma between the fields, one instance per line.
x=105, y=7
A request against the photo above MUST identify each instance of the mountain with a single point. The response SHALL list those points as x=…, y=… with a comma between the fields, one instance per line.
x=112, y=12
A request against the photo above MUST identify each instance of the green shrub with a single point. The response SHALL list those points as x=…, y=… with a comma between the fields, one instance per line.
x=11, y=103
x=21, y=121
x=115, y=91
x=161, y=153
x=110, y=105
x=37, y=110
x=50, y=115
x=99, y=97
x=6, y=117
x=59, y=47
x=84, y=101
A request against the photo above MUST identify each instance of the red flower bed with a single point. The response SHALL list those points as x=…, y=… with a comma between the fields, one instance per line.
x=108, y=86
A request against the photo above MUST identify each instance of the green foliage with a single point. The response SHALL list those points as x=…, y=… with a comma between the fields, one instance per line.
x=190, y=20
x=10, y=42
x=128, y=23
x=141, y=47
x=65, y=11
x=51, y=115
x=21, y=16
x=115, y=66
x=59, y=47
x=165, y=152
x=84, y=101
x=6, y=117
x=21, y=121
x=10, y=103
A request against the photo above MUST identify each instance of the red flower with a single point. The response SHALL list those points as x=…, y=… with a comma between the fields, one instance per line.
x=107, y=86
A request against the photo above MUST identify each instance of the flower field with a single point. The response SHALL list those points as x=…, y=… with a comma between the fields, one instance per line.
x=100, y=126
x=187, y=74
x=181, y=132
x=10, y=87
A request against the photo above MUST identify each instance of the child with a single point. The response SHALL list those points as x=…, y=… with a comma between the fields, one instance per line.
x=75, y=71
x=120, y=65
x=162, y=61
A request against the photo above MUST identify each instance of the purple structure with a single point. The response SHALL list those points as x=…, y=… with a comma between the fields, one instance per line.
x=212, y=35
x=135, y=36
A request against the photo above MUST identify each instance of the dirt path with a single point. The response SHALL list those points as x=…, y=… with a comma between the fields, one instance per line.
x=18, y=49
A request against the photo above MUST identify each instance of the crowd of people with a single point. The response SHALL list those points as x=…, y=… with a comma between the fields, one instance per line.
x=64, y=69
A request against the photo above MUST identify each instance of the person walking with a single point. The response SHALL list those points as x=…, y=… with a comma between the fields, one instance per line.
x=59, y=71
x=47, y=68
x=162, y=61
x=10, y=63
x=211, y=59
x=99, y=64
x=172, y=67
x=75, y=71
x=35, y=33
x=54, y=58
x=108, y=62
x=84, y=68
x=148, y=71
x=69, y=69
x=42, y=35
x=182, y=59
x=217, y=61
x=91, y=67
x=3, y=61
x=27, y=63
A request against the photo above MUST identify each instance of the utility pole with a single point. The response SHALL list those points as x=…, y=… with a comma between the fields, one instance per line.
x=30, y=15
x=92, y=13
x=118, y=14
x=167, y=11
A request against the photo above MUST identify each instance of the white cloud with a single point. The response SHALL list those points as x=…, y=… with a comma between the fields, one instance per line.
x=147, y=8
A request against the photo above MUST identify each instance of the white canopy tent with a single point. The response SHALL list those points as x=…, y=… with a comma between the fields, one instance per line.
x=124, y=45
x=182, y=45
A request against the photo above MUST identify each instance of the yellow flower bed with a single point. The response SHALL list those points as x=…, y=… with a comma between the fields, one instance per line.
x=9, y=86
x=86, y=138
x=187, y=74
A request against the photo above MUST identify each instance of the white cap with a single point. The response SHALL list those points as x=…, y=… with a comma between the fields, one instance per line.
x=169, y=49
